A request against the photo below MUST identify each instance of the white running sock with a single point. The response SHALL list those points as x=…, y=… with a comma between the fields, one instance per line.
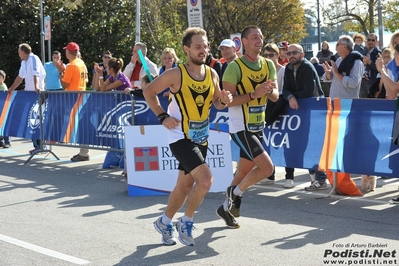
x=165, y=220
x=185, y=218
x=225, y=206
x=237, y=191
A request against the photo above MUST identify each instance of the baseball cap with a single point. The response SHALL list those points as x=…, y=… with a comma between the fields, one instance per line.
x=283, y=44
x=227, y=43
x=72, y=47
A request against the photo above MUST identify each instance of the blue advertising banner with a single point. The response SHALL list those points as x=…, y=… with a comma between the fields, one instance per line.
x=20, y=115
x=344, y=135
x=87, y=118
x=297, y=138
x=364, y=137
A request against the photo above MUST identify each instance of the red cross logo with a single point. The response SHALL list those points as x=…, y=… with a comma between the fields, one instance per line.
x=146, y=158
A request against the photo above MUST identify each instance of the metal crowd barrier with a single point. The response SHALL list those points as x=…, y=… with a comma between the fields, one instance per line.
x=343, y=135
x=84, y=119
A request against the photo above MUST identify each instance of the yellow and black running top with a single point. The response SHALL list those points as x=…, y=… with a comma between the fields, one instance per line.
x=253, y=112
x=191, y=105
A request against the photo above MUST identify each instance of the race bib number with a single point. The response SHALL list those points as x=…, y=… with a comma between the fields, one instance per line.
x=256, y=118
x=198, y=131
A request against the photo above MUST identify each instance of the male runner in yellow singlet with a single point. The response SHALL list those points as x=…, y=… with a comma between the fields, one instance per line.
x=194, y=88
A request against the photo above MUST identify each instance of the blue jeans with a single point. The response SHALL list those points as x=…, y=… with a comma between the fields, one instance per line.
x=36, y=143
x=320, y=175
x=5, y=140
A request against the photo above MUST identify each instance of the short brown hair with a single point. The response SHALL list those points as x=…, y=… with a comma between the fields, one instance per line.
x=107, y=53
x=189, y=33
x=247, y=29
x=115, y=63
x=24, y=47
x=373, y=35
x=271, y=47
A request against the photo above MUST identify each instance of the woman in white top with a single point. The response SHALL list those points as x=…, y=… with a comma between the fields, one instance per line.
x=271, y=52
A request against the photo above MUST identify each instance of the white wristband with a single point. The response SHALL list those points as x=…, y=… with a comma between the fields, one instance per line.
x=101, y=77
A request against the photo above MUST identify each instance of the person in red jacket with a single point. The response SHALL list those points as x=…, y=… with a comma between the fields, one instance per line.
x=283, y=47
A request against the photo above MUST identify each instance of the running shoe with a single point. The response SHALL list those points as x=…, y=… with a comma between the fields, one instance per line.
x=166, y=231
x=227, y=217
x=394, y=201
x=233, y=201
x=316, y=185
x=185, y=232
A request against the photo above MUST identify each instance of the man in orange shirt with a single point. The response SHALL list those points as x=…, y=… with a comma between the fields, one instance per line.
x=73, y=75
x=73, y=78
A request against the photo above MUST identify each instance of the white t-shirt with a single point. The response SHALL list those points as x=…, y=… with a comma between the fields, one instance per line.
x=280, y=79
x=30, y=68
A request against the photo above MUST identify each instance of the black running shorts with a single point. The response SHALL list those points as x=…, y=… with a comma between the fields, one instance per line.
x=250, y=143
x=189, y=154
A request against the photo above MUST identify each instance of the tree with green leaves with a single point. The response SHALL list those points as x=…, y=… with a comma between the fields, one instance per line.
x=362, y=15
x=391, y=15
x=278, y=20
x=110, y=25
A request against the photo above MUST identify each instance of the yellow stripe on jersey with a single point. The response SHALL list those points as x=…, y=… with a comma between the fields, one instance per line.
x=253, y=111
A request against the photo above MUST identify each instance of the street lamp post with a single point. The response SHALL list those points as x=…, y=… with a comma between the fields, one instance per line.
x=380, y=26
x=137, y=20
x=42, y=32
x=318, y=25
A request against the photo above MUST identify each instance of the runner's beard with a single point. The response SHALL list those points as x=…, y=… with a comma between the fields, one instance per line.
x=198, y=61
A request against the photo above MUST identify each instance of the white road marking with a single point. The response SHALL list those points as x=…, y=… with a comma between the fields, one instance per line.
x=44, y=251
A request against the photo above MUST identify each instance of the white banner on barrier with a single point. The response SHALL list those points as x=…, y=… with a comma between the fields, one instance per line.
x=151, y=165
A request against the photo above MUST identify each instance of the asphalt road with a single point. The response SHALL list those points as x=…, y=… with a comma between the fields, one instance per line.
x=63, y=213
